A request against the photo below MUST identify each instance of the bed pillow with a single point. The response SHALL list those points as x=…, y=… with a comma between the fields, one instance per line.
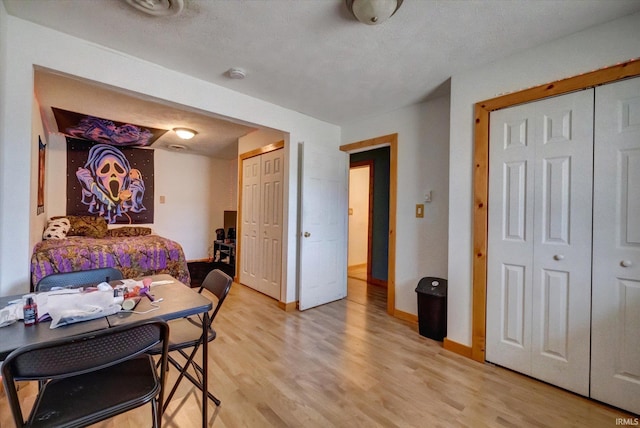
x=86, y=225
x=129, y=231
x=56, y=229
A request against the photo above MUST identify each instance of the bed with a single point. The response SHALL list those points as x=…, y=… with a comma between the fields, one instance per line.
x=135, y=256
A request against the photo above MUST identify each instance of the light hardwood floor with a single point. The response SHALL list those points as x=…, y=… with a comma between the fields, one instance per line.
x=349, y=364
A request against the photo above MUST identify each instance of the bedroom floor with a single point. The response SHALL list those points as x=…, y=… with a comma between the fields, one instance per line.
x=350, y=364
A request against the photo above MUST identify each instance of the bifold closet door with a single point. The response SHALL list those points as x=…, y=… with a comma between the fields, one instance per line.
x=539, y=254
x=250, y=222
x=271, y=223
x=615, y=355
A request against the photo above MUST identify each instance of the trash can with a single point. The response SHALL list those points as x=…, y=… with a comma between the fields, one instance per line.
x=432, y=307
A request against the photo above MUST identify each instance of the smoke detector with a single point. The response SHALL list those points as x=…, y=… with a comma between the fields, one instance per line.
x=236, y=73
x=157, y=7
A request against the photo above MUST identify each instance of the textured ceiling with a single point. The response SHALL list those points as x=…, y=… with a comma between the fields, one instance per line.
x=312, y=56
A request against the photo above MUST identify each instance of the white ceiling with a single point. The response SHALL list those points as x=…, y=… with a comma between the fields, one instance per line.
x=312, y=56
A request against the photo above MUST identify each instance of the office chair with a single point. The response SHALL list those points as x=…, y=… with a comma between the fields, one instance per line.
x=187, y=333
x=78, y=279
x=90, y=377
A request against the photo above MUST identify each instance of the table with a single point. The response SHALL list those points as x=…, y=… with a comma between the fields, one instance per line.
x=178, y=301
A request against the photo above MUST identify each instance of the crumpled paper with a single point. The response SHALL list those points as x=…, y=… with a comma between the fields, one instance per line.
x=69, y=306
x=10, y=314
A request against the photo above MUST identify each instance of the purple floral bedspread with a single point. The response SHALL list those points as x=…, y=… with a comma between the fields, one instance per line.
x=135, y=256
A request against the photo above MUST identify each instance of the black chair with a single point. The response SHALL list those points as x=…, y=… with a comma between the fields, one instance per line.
x=90, y=377
x=78, y=279
x=187, y=333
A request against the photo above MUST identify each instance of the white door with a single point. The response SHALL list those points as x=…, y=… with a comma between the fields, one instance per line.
x=250, y=221
x=539, y=284
x=615, y=355
x=323, y=241
x=271, y=223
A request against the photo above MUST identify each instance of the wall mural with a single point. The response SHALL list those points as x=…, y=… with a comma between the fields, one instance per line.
x=111, y=182
x=104, y=130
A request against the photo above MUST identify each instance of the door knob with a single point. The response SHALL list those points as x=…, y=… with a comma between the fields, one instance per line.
x=558, y=257
x=307, y=234
x=625, y=263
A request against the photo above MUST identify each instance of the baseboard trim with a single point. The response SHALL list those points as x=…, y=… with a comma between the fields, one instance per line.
x=405, y=316
x=287, y=307
x=457, y=348
x=378, y=282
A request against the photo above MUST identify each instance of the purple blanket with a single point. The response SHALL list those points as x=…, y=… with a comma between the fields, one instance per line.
x=135, y=256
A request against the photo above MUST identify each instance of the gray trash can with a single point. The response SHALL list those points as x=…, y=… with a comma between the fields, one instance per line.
x=432, y=307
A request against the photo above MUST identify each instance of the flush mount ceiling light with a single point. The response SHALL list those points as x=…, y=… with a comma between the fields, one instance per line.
x=185, y=133
x=373, y=12
x=158, y=7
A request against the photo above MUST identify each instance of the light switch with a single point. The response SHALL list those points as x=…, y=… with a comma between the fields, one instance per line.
x=427, y=196
x=162, y=199
x=419, y=210
x=350, y=211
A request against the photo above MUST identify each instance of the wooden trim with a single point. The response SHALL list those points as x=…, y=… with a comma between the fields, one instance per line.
x=390, y=140
x=377, y=282
x=256, y=152
x=605, y=75
x=457, y=348
x=406, y=316
x=288, y=307
x=262, y=150
x=207, y=260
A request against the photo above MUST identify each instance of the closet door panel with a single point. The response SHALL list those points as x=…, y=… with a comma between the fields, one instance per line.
x=539, y=258
x=250, y=244
x=509, y=275
x=271, y=223
x=615, y=362
x=561, y=298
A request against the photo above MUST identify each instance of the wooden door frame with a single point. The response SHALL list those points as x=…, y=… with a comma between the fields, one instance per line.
x=241, y=158
x=391, y=141
x=482, y=111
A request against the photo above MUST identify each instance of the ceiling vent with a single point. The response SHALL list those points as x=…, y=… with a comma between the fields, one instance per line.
x=158, y=7
x=177, y=147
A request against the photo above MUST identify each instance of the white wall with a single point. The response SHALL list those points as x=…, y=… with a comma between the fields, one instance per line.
x=37, y=221
x=25, y=45
x=359, y=217
x=260, y=138
x=588, y=50
x=423, y=155
x=224, y=192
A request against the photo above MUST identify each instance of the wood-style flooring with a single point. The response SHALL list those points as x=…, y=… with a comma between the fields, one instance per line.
x=349, y=364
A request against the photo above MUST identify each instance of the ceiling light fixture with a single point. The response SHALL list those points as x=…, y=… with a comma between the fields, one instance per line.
x=373, y=12
x=185, y=133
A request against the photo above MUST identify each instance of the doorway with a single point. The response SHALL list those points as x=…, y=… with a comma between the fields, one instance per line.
x=380, y=154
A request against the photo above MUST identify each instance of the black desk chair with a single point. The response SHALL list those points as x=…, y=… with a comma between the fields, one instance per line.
x=90, y=377
x=187, y=333
x=78, y=279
